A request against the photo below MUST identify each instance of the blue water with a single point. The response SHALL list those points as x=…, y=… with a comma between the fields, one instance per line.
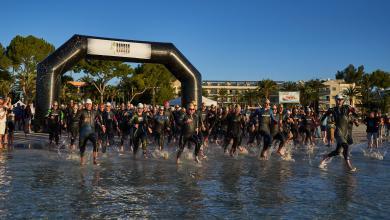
x=38, y=183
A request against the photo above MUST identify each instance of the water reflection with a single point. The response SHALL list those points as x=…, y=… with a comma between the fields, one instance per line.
x=44, y=185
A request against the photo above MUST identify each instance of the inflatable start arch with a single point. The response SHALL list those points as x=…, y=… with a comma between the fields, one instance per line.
x=49, y=71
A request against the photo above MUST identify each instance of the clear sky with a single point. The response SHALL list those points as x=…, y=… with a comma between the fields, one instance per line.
x=224, y=40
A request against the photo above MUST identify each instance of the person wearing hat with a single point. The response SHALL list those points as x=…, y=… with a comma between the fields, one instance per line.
x=89, y=118
x=140, y=124
x=161, y=124
x=55, y=118
x=342, y=134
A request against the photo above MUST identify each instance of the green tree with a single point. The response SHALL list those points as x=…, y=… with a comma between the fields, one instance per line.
x=352, y=92
x=6, y=80
x=68, y=92
x=100, y=72
x=310, y=93
x=5, y=64
x=380, y=79
x=350, y=74
x=150, y=83
x=266, y=87
x=25, y=53
x=289, y=86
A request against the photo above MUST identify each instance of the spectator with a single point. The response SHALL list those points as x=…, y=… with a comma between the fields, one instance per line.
x=372, y=124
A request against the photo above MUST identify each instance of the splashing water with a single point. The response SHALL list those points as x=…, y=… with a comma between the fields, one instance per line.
x=160, y=154
x=374, y=154
x=287, y=155
x=242, y=151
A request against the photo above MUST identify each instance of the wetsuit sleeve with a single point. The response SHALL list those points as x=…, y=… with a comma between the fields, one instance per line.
x=271, y=113
x=98, y=120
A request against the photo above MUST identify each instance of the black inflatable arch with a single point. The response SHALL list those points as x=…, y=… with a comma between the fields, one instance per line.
x=49, y=71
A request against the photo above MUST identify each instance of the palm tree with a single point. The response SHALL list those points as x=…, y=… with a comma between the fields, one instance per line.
x=310, y=93
x=266, y=86
x=289, y=86
x=351, y=92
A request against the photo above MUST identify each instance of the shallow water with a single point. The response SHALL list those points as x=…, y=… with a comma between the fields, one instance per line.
x=37, y=183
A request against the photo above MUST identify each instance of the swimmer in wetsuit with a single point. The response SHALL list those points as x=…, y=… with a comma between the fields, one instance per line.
x=265, y=115
x=190, y=133
x=342, y=133
x=161, y=124
x=87, y=120
x=235, y=123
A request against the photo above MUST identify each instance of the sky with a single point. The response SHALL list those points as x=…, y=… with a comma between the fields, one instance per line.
x=224, y=40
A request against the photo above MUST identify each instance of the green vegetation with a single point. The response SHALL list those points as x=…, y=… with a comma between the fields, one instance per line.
x=152, y=83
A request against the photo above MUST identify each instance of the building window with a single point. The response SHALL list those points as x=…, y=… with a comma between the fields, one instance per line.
x=333, y=88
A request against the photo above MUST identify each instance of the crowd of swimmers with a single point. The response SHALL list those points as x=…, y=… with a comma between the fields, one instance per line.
x=194, y=127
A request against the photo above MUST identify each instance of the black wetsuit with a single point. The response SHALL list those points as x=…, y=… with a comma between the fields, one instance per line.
x=171, y=122
x=277, y=129
x=295, y=127
x=235, y=123
x=140, y=125
x=264, y=117
x=87, y=120
x=253, y=129
x=204, y=127
x=125, y=125
x=73, y=123
x=307, y=126
x=160, y=125
x=212, y=121
x=54, y=120
x=343, y=130
x=189, y=125
x=111, y=124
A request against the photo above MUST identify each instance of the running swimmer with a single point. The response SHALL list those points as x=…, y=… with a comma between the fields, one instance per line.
x=161, y=123
x=341, y=115
x=189, y=133
x=265, y=115
x=235, y=121
x=140, y=124
x=88, y=118
x=55, y=119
